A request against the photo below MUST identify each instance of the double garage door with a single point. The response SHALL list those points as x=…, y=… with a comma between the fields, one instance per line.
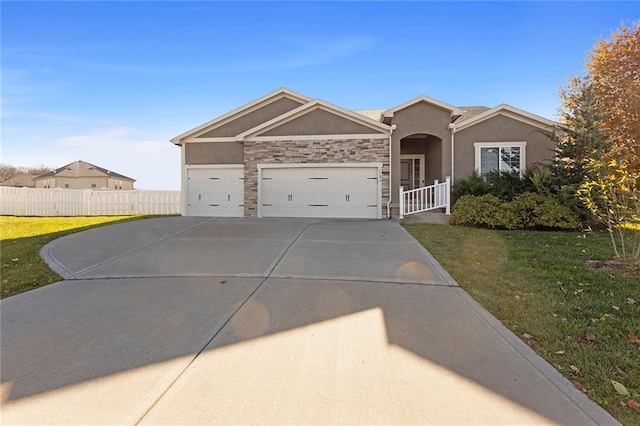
x=288, y=191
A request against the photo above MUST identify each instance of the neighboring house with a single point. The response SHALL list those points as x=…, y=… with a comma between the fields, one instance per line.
x=83, y=175
x=287, y=155
x=20, y=181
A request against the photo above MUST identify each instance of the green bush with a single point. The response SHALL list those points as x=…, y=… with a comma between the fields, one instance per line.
x=556, y=215
x=474, y=185
x=526, y=211
x=508, y=217
x=508, y=185
x=503, y=184
x=528, y=207
x=476, y=210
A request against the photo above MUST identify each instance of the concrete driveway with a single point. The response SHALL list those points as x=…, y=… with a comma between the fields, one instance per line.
x=265, y=321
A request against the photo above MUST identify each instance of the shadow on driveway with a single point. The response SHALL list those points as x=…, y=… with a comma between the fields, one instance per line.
x=225, y=348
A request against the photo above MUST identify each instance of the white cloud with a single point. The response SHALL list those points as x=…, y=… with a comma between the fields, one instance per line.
x=153, y=163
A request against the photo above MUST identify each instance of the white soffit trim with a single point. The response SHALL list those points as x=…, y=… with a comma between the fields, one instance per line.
x=423, y=98
x=245, y=109
x=214, y=166
x=511, y=112
x=337, y=137
x=192, y=139
x=309, y=107
x=317, y=165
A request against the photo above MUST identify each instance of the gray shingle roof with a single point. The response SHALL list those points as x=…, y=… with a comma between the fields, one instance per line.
x=374, y=114
x=83, y=169
x=467, y=112
x=471, y=111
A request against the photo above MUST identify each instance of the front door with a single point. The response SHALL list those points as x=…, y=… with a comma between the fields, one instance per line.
x=412, y=171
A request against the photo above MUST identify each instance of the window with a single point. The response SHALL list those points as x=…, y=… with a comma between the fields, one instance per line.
x=500, y=156
x=66, y=185
x=94, y=185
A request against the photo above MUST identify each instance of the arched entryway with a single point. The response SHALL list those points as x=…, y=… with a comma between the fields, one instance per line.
x=420, y=160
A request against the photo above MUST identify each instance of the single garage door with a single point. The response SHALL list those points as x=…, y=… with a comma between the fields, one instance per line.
x=350, y=192
x=215, y=192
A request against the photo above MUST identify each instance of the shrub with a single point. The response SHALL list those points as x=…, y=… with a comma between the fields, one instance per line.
x=507, y=185
x=556, y=215
x=528, y=208
x=503, y=184
x=526, y=211
x=474, y=185
x=476, y=210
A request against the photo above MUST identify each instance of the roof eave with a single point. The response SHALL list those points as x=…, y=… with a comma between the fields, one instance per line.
x=476, y=119
x=177, y=140
x=301, y=109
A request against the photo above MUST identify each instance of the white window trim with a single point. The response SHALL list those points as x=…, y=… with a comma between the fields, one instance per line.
x=523, y=152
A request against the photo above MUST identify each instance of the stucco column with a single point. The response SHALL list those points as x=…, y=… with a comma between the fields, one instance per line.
x=395, y=172
x=446, y=158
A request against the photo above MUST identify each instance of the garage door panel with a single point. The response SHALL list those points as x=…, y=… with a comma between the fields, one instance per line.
x=320, y=192
x=215, y=192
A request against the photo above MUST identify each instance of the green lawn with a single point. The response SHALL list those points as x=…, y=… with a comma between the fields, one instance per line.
x=585, y=322
x=21, y=239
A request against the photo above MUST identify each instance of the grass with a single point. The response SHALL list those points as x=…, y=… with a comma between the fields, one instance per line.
x=585, y=322
x=21, y=239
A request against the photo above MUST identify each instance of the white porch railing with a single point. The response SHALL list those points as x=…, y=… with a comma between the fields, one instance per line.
x=436, y=196
x=86, y=202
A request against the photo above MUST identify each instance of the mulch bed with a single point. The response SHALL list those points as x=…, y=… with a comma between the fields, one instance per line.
x=614, y=265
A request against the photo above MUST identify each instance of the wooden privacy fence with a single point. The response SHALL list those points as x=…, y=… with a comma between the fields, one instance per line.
x=86, y=202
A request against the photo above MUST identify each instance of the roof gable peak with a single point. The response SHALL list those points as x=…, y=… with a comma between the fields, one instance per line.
x=509, y=111
x=277, y=94
x=312, y=105
x=455, y=111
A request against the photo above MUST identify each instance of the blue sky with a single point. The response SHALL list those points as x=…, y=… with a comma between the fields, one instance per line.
x=112, y=82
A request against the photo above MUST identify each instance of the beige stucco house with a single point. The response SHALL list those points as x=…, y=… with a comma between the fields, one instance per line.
x=83, y=175
x=287, y=155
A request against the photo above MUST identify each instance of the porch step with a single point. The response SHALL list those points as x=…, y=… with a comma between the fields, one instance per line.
x=426, y=217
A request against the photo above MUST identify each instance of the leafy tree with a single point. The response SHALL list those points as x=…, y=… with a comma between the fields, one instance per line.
x=600, y=149
x=582, y=135
x=580, y=139
x=614, y=69
x=8, y=171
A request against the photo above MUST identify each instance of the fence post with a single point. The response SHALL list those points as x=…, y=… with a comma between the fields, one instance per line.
x=26, y=202
x=401, y=202
x=448, y=195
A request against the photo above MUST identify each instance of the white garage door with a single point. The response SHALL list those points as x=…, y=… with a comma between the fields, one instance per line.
x=350, y=192
x=215, y=192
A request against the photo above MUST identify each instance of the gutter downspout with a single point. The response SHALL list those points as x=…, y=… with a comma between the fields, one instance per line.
x=393, y=127
x=452, y=127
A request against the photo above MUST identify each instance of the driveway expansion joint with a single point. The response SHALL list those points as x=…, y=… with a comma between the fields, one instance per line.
x=226, y=322
x=359, y=280
x=47, y=249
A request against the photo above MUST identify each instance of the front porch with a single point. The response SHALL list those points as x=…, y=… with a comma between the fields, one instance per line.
x=421, y=163
x=426, y=198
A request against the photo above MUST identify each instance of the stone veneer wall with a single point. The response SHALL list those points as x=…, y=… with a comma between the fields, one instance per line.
x=311, y=151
